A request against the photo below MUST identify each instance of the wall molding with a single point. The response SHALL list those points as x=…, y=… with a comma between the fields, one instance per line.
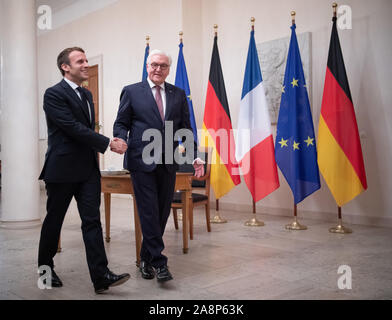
x=306, y=214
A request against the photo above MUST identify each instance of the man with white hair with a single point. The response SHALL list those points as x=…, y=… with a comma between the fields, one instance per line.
x=158, y=105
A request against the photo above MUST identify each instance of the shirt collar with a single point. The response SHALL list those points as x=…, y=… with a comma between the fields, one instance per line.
x=72, y=84
x=152, y=84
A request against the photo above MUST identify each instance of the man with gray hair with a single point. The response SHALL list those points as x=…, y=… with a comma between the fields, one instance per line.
x=153, y=105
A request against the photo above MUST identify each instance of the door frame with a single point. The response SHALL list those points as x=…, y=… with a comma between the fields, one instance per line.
x=97, y=60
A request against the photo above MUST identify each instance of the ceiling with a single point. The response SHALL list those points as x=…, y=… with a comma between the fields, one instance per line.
x=56, y=5
x=66, y=11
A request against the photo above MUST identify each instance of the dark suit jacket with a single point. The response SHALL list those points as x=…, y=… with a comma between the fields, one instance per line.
x=138, y=112
x=72, y=141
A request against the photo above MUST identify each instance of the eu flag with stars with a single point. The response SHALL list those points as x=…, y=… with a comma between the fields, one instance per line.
x=295, y=144
x=182, y=82
x=146, y=53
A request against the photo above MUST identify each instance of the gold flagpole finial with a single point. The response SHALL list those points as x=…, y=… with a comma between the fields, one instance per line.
x=148, y=39
x=293, y=17
x=181, y=34
x=252, y=20
x=334, y=6
x=216, y=29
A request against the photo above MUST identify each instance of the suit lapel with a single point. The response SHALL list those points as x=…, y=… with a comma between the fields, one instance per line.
x=75, y=97
x=169, y=98
x=92, y=124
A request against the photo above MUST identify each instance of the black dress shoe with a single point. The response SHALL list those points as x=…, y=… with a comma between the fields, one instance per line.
x=56, y=282
x=147, y=270
x=163, y=274
x=110, y=280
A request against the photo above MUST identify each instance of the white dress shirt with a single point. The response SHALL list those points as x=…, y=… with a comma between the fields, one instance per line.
x=74, y=86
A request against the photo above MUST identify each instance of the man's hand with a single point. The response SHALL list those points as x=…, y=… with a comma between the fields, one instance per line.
x=198, y=165
x=118, y=145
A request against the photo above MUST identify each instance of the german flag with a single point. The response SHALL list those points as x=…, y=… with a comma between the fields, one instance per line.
x=339, y=148
x=217, y=131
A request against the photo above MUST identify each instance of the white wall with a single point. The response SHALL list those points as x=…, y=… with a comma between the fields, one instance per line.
x=367, y=49
x=118, y=32
x=1, y=66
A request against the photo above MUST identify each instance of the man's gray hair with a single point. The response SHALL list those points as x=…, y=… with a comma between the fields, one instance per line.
x=157, y=52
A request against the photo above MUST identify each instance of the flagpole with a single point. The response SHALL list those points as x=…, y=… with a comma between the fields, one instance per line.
x=295, y=225
x=180, y=34
x=334, y=8
x=254, y=222
x=293, y=17
x=217, y=218
x=180, y=147
x=339, y=228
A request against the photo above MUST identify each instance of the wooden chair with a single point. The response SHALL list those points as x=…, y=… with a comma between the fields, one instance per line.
x=201, y=198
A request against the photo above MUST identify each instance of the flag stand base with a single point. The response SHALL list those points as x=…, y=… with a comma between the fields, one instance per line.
x=217, y=218
x=340, y=228
x=254, y=223
x=295, y=225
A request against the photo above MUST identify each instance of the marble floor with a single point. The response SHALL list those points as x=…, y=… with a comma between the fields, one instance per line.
x=232, y=262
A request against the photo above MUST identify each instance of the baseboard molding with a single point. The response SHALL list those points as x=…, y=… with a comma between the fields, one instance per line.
x=122, y=196
x=320, y=216
x=282, y=212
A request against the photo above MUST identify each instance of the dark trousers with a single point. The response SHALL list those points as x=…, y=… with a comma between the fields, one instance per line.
x=154, y=194
x=88, y=198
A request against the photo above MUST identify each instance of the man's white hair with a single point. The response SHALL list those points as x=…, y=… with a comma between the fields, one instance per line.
x=157, y=52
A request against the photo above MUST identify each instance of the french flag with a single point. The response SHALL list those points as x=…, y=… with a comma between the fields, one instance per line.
x=255, y=145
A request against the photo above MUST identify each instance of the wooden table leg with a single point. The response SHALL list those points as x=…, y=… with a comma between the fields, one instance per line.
x=185, y=216
x=138, y=232
x=190, y=220
x=107, y=215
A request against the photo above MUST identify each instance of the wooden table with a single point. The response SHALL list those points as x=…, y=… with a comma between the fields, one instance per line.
x=122, y=184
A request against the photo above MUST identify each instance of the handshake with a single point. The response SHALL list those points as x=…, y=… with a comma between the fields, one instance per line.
x=118, y=145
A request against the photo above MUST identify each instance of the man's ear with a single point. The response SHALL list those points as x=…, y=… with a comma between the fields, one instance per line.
x=65, y=67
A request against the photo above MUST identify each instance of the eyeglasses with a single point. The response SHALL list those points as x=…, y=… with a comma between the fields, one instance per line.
x=155, y=66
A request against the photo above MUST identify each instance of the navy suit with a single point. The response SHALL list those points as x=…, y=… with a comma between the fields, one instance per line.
x=153, y=182
x=71, y=170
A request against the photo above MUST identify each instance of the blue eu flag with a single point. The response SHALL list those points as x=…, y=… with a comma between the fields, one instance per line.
x=182, y=82
x=146, y=53
x=295, y=144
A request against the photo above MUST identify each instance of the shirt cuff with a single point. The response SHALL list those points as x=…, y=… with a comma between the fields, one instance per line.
x=202, y=162
x=110, y=140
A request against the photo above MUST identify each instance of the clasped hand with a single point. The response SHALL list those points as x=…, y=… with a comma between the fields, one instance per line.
x=118, y=145
x=198, y=165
